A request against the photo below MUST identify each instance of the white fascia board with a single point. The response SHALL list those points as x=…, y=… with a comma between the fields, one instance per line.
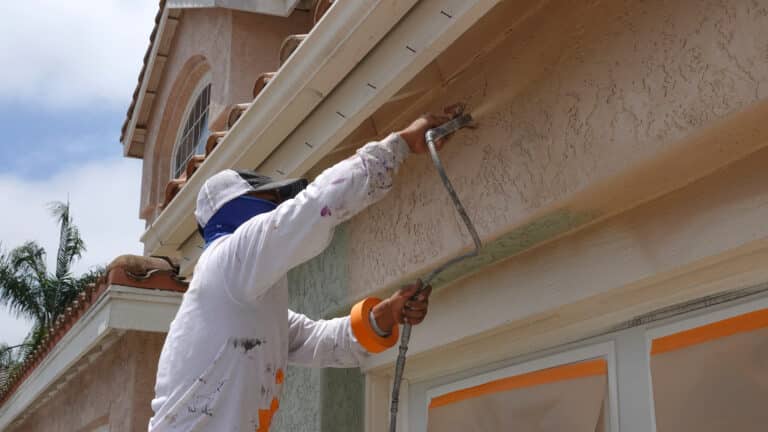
x=268, y=7
x=131, y=129
x=335, y=46
x=119, y=308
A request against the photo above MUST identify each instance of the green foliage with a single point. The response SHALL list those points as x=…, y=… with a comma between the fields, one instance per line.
x=29, y=290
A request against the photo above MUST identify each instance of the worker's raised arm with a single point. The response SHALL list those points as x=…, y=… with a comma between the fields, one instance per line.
x=264, y=248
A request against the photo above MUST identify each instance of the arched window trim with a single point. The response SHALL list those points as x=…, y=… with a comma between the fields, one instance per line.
x=188, y=127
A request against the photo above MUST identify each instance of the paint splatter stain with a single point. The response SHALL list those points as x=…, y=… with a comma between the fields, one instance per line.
x=246, y=344
x=326, y=211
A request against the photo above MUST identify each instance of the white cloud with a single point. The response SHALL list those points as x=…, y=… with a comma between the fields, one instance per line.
x=104, y=199
x=73, y=53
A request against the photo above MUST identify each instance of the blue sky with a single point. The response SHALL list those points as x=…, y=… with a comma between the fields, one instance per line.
x=73, y=67
x=40, y=143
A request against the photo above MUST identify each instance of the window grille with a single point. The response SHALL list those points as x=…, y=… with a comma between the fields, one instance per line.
x=195, y=133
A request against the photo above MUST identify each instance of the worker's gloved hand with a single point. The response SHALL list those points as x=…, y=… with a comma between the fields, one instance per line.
x=403, y=307
x=414, y=134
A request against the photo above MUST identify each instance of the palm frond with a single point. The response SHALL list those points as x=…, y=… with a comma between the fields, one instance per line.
x=28, y=260
x=19, y=278
x=71, y=244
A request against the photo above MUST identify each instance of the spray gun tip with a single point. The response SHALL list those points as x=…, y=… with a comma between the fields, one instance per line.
x=460, y=110
x=455, y=110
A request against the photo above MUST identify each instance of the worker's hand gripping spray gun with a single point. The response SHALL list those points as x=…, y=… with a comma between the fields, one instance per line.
x=460, y=121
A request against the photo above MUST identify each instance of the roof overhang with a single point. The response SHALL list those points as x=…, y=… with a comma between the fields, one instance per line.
x=119, y=309
x=302, y=104
x=134, y=131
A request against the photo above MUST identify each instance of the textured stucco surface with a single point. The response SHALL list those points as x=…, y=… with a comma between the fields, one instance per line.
x=115, y=390
x=570, y=100
x=321, y=399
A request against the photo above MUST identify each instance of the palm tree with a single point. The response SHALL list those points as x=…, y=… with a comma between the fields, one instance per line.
x=30, y=291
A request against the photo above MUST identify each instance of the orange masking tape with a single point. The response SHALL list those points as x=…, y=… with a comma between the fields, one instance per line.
x=365, y=334
x=531, y=379
x=716, y=330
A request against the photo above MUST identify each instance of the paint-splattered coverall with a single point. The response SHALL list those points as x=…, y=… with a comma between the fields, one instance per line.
x=221, y=368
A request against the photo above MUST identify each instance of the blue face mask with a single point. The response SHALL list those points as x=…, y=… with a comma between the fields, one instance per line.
x=233, y=214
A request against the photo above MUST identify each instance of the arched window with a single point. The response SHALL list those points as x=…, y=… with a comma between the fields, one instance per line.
x=193, y=136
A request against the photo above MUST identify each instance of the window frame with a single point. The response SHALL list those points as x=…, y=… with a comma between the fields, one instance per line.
x=706, y=316
x=695, y=319
x=627, y=351
x=203, y=83
x=594, y=351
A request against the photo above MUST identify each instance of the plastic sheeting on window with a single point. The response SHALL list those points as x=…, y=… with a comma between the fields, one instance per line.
x=565, y=398
x=714, y=377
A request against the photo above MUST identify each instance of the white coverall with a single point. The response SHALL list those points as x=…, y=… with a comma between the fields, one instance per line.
x=221, y=368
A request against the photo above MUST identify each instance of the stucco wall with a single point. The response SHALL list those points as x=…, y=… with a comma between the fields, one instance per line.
x=234, y=48
x=569, y=103
x=115, y=389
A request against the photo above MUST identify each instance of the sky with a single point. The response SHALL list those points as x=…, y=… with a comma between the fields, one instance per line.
x=69, y=70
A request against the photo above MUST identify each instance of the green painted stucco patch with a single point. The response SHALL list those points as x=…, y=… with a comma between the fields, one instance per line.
x=517, y=241
x=321, y=399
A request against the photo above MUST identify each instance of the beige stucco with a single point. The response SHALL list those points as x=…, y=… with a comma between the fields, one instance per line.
x=115, y=389
x=232, y=48
x=587, y=108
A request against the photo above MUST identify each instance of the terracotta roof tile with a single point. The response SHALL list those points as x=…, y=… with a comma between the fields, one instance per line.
x=127, y=270
x=235, y=112
x=193, y=164
x=262, y=82
x=213, y=140
x=172, y=189
x=289, y=45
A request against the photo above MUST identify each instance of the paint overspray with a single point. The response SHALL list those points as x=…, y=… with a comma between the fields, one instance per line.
x=460, y=120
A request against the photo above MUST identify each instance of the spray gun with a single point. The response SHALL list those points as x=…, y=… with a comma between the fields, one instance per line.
x=459, y=121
